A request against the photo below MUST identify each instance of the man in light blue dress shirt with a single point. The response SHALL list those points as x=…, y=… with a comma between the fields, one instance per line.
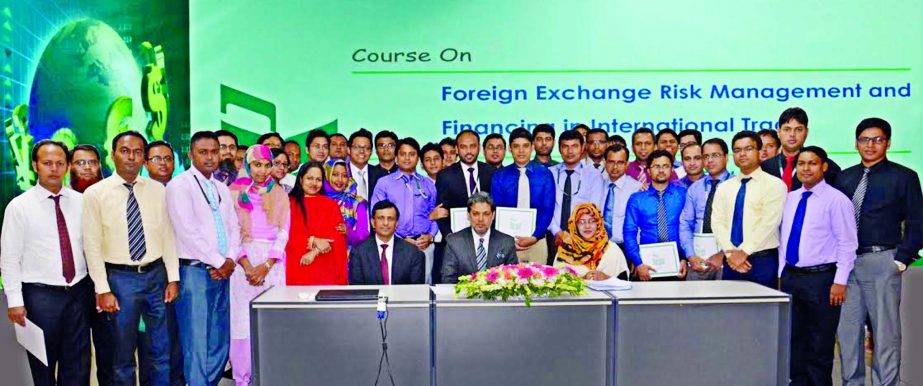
x=575, y=184
x=618, y=187
x=698, y=199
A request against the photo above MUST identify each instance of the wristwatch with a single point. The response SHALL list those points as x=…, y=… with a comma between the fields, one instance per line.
x=901, y=267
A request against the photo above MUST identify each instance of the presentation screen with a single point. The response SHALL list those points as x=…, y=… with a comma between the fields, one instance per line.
x=429, y=69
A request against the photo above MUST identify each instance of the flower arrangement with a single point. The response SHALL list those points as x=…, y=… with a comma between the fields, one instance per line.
x=521, y=280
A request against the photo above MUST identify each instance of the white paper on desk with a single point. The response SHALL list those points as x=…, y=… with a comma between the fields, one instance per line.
x=459, y=218
x=447, y=290
x=705, y=245
x=610, y=284
x=33, y=339
x=516, y=222
x=662, y=257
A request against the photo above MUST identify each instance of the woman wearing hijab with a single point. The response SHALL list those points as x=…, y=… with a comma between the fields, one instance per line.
x=589, y=251
x=263, y=213
x=342, y=188
x=316, y=250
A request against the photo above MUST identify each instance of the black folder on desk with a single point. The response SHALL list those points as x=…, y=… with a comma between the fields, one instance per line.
x=347, y=295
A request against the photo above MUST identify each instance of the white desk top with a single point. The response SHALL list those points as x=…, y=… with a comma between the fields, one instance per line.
x=709, y=290
x=296, y=295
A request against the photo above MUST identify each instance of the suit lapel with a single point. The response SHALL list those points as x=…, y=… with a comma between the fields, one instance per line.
x=492, y=249
x=371, y=248
x=471, y=253
x=483, y=181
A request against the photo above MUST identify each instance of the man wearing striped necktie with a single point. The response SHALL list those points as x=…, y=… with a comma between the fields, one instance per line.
x=477, y=247
x=131, y=255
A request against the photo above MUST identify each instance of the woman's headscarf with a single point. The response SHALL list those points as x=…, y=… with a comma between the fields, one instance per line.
x=348, y=199
x=581, y=251
x=274, y=199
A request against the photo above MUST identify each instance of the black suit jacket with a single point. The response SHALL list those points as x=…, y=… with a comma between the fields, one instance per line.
x=407, y=263
x=376, y=172
x=460, y=257
x=452, y=190
x=775, y=164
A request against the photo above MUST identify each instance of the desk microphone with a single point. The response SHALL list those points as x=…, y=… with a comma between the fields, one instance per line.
x=383, y=326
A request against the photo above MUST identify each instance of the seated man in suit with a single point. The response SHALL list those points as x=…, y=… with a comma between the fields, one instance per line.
x=385, y=259
x=477, y=247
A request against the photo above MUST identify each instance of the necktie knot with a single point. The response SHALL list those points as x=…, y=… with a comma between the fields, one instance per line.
x=482, y=241
x=806, y=194
x=612, y=186
x=569, y=172
x=744, y=181
x=714, y=182
x=406, y=178
x=57, y=199
x=384, y=247
x=660, y=194
x=470, y=170
x=522, y=170
x=865, y=171
x=130, y=186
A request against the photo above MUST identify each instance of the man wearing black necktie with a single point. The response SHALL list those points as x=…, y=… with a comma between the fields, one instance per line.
x=456, y=183
x=888, y=207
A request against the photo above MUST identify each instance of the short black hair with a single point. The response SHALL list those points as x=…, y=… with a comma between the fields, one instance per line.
x=598, y=131
x=658, y=154
x=748, y=134
x=569, y=135
x=290, y=142
x=481, y=197
x=315, y=134
x=616, y=149
x=642, y=130
x=666, y=131
x=772, y=133
x=385, y=134
x=385, y=204
x=147, y=153
x=361, y=133
x=448, y=142
x=816, y=150
x=869, y=123
x=717, y=141
x=796, y=113
x=493, y=136
x=521, y=132
x=581, y=126
x=259, y=141
x=242, y=147
x=618, y=139
x=48, y=142
x=467, y=131
x=87, y=147
x=226, y=133
x=430, y=147
x=543, y=128
x=277, y=152
x=693, y=132
x=681, y=151
x=130, y=133
x=338, y=135
x=409, y=142
x=198, y=136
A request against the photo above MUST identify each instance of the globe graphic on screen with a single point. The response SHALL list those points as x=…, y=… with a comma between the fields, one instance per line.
x=83, y=69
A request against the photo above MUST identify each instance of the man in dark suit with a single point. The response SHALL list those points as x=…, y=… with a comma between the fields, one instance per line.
x=456, y=183
x=477, y=247
x=793, y=132
x=385, y=259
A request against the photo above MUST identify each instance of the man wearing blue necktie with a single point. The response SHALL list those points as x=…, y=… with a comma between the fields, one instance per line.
x=746, y=214
x=816, y=255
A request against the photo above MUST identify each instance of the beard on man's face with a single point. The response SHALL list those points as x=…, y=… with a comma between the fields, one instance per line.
x=81, y=184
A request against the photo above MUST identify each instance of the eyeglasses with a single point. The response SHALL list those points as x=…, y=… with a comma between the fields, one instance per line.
x=226, y=147
x=161, y=159
x=597, y=142
x=361, y=148
x=712, y=156
x=387, y=146
x=871, y=140
x=494, y=148
x=745, y=149
x=280, y=164
x=661, y=167
x=85, y=162
x=587, y=222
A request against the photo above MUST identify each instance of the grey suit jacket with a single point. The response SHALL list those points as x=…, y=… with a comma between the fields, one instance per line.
x=460, y=259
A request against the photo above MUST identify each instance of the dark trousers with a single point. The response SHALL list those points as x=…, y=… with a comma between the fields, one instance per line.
x=140, y=295
x=814, y=323
x=438, y=253
x=102, y=346
x=176, y=353
x=764, y=269
x=552, y=247
x=64, y=316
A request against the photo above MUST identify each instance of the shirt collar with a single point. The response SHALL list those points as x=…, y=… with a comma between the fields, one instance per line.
x=399, y=174
x=199, y=174
x=757, y=174
x=477, y=238
x=379, y=241
x=139, y=180
x=464, y=167
x=721, y=177
x=356, y=168
x=818, y=189
x=45, y=193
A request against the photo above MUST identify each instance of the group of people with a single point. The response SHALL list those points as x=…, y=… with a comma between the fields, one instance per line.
x=166, y=266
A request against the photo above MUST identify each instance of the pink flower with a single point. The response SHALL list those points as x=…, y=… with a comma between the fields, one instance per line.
x=492, y=276
x=524, y=272
x=571, y=271
x=550, y=271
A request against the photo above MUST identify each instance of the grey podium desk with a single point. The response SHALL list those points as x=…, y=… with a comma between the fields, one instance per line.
x=912, y=327
x=701, y=333
x=563, y=341
x=298, y=341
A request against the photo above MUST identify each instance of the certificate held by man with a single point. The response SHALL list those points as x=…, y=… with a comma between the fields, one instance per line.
x=662, y=257
x=516, y=222
x=705, y=245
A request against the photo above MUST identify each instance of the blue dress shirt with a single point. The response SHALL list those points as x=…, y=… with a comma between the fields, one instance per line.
x=505, y=192
x=641, y=219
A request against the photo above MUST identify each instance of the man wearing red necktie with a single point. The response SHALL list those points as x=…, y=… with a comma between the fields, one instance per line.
x=793, y=132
